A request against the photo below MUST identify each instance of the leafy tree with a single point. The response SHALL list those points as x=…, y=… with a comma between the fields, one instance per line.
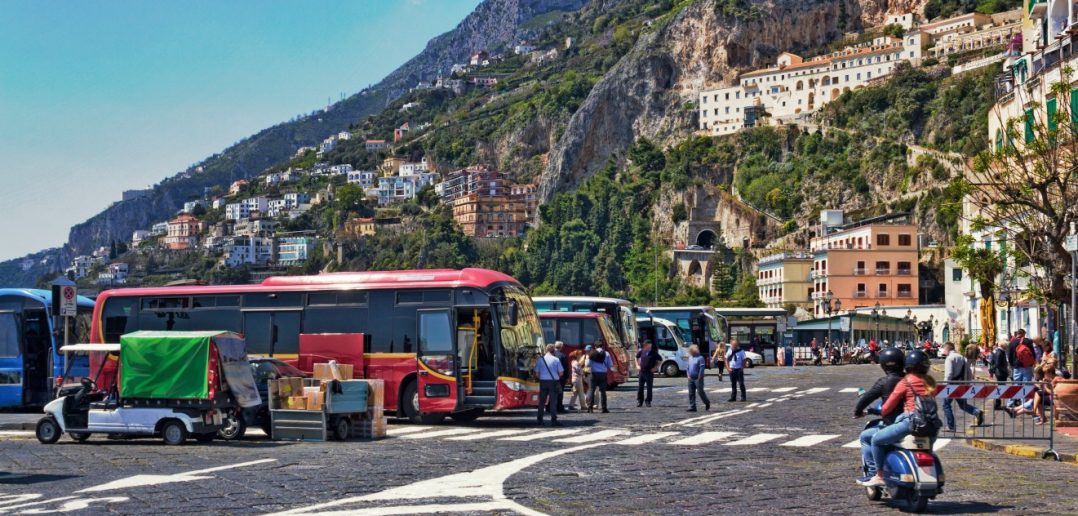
x=352, y=199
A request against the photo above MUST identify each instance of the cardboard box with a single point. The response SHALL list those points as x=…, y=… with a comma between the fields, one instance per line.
x=288, y=387
x=325, y=373
x=315, y=397
x=297, y=403
x=376, y=393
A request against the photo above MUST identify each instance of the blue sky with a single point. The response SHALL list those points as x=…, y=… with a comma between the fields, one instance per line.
x=101, y=96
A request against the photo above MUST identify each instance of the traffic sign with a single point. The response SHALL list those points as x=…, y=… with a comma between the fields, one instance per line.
x=68, y=304
x=1071, y=243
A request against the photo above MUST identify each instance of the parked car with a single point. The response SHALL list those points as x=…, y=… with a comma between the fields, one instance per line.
x=752, y=358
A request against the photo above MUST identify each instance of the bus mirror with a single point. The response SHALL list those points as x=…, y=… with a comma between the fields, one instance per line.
x=513, y=313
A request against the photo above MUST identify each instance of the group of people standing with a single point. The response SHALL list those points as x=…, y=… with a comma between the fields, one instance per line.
x=586, y=369
x=1025, y=360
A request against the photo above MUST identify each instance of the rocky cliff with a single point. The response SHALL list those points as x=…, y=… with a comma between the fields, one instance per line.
x=495, y=24
x=702, y=46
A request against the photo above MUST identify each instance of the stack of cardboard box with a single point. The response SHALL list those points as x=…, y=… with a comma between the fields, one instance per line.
x=287, y=393
x=372, y=424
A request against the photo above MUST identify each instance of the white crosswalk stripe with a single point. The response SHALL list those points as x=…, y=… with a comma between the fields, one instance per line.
x=601, y=435
x=784, y=389
x=751, y=405
x=849, y=389
x=940, y=443
x=440, y=433
x=764, y=405
x=717, y=417
x=809, y=440
x=398, y=430
x=541, y=435
x=757, y=389
x=814, y=390
x=856, y=443
x=646, y=438
x=703, y=438
x=486, y=435
x=755, y=439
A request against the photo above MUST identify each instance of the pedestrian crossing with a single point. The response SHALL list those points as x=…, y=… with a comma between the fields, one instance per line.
x=624, y=437
x=784, y=391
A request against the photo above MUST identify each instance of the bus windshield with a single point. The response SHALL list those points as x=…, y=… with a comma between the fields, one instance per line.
x=522, y=342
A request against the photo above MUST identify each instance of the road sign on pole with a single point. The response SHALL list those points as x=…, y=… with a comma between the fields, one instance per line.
x=68, y=304
x=1071, y=243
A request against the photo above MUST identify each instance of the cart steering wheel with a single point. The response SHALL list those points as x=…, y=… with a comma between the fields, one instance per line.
x=88, y=384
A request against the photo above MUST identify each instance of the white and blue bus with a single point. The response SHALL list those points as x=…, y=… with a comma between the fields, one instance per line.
x=29, y=346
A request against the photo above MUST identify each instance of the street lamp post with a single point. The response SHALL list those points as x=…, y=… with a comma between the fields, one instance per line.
x=876, y=319
x=827, y=308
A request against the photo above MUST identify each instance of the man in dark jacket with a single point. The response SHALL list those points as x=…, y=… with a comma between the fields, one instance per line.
x=997, y=365
x=564, y=375
x=892, y=361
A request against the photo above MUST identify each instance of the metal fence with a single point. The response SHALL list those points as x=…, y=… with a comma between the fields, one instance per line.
x=1008, y=410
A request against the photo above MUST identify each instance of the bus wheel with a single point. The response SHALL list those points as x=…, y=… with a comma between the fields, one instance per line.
x=467, y=416
x=410, y=404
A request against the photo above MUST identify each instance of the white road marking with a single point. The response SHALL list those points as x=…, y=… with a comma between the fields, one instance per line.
x=542, y=435
x=485, y=483
x=691, y=419
x=683, y=391
x=153, y=480
x=940, y=443
x=849, y=389
x=765, y=405
x=485, y=435
x=16, y=432
x=755, y=439
x=592, y=437
x=750, y=405
x=441, y=433
x=809, y=440
x=814, y=390
x=717, y=417
x=856, y=443
x=784, y=389
x=703, y=438
x=398, y=430
x=757, y=389
x=646, y=438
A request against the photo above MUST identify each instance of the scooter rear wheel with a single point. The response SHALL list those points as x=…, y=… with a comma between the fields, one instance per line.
x=917, y=503
x=873, y=493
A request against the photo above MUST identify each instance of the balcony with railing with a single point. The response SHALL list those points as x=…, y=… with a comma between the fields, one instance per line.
x=904, y=294
x=905, y=272
x=883, y=271
x=858, y=271
x=860, y=294
x=882, y=293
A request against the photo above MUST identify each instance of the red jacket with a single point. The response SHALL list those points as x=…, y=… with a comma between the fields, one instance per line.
x=903, y=394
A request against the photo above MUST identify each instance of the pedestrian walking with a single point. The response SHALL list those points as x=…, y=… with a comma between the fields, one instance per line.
x=585, y=362
x=549, y=370
x=600, y=363
x=956, y=368
x=564, y=374
x=718, y=358
x=647, y=361
x=1021, y=358
x=998, y=368
x=695, y=372
x=735, y=360
x=576, y=367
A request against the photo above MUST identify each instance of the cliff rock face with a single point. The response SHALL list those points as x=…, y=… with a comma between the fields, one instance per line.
x=700, y=47
x=495, y=24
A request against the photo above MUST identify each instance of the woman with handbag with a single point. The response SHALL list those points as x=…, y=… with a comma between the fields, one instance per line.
x=718, y=358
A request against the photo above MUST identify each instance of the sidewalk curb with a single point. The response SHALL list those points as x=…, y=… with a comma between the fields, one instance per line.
x=1019, y=450
x=18, y=426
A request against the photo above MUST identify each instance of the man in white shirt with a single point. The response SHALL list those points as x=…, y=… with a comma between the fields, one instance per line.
x=549, y=370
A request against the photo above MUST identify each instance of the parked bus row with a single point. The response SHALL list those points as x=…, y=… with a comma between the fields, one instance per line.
x=453, y=343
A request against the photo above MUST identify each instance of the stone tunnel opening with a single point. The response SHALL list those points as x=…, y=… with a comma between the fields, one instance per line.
x=706, y=239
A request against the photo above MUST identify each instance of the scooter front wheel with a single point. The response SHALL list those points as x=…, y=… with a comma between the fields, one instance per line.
x=48, y=430
x=873, y=493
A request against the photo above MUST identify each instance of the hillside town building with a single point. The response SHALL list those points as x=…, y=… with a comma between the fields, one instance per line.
x=783, y=279
x=183, y=232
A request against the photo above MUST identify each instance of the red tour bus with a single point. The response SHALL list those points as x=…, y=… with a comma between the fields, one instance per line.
x=578, y=329
x=446, y=342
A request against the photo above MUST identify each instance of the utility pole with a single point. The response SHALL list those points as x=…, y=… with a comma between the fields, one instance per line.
x=1072, y=246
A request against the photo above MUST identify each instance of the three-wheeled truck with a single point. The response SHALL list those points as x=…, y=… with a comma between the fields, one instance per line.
x=168, y=384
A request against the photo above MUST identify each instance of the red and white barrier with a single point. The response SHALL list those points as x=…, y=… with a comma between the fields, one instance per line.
x=972, y=391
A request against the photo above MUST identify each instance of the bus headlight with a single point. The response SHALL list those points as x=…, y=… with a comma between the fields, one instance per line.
x=514, y=385
x=442, y=364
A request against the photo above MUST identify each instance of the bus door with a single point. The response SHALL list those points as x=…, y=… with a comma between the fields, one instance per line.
x=37, y=357
x=11, y=365
x=272, y=332
x=437, y=356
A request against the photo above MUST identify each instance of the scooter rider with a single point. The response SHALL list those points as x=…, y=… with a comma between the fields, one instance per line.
x=915, y=383
x=892, y=361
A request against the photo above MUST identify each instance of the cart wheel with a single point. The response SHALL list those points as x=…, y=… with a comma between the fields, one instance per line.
x=205, y=438
x=48, y=430
x=342, y=429
x=173, y=432
x=79, y=436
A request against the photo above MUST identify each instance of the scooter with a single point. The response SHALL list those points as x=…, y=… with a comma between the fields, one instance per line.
x=912, y=471
x=835, y=356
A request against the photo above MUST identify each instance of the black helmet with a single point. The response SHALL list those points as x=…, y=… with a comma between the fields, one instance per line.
x=917, y=362
x=892, y=360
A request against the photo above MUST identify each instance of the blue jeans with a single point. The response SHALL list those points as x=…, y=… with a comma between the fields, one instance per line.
x=948, y=412
x=866, y=448
x=886, y=436
x=695, y=386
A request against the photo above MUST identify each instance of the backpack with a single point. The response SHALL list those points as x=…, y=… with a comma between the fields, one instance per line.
x=597, y=356
x=924, y=420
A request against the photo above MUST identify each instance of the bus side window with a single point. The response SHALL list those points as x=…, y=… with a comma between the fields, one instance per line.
x=119, y=317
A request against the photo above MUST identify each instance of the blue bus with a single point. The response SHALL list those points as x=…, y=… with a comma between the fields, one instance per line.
x=29, y=353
